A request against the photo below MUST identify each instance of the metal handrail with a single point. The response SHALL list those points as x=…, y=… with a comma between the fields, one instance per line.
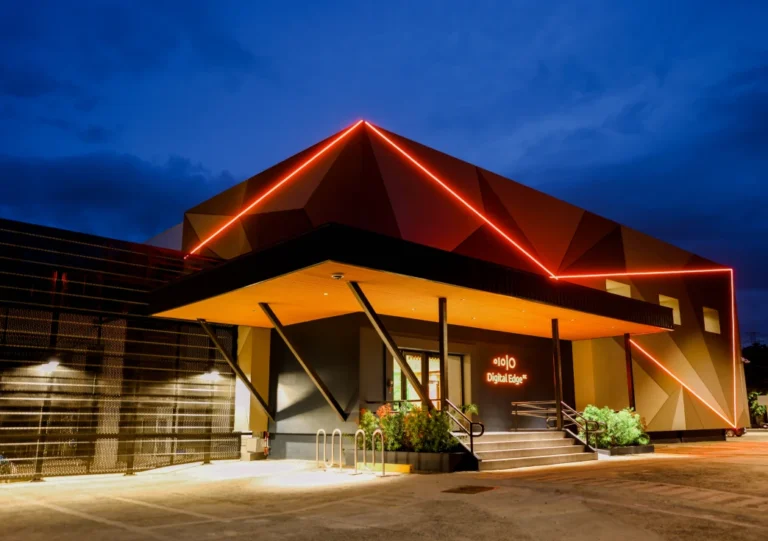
x=469, y=431
x=383, y=451
x=547, y=410
x=360, y=432
x=317, y=447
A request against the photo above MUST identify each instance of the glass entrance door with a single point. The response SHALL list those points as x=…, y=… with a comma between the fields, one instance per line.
x=426, y=368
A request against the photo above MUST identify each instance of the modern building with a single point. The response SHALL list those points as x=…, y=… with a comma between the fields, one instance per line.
x=365, y=269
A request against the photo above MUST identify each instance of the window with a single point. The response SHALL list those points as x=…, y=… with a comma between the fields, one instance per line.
x=617, y=288
x=711, y=320
x=671, y=302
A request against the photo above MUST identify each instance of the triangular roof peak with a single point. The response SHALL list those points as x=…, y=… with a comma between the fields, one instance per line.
x=370, y=178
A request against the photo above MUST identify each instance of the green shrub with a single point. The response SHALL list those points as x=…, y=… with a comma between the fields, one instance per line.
x=428, y=432
x=756, y=410
x=393, y=426
x=409, y=429
x=416, y=421
x=624, y=427
x=470, y=409
x=368, y=423
x=439, y=438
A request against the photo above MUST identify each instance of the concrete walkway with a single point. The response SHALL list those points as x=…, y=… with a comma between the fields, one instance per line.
x=694, y=491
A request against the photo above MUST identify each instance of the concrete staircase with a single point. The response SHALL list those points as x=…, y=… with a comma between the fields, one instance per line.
x=506, y=450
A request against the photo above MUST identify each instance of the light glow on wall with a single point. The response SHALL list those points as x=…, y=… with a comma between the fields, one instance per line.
x=686, y=387
x=678, y=272
x=275, y=187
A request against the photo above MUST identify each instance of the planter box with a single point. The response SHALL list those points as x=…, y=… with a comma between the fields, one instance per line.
x=630, y=450
x=432, y=462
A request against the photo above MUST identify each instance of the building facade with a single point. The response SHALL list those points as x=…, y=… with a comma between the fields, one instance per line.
x=369, y=268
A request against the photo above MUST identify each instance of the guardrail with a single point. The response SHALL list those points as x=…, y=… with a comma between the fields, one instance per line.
x=464, y=423
x=547, y=410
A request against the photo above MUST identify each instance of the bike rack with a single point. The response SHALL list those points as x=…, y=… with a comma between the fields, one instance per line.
x=317, y=447
x=341, y=449
x=360, y=432
x=373, y=447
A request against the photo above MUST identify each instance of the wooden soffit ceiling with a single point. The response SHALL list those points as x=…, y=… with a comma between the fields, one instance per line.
x=311, y=293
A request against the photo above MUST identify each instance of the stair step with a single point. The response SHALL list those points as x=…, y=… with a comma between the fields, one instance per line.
x=531, y=452
x=509, y=436
x=510, y=463
x=482, y=445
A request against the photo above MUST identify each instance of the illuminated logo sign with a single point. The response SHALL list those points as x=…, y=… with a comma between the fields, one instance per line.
x=506, y=363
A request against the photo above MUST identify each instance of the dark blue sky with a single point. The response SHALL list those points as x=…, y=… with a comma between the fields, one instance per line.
x=114, y=119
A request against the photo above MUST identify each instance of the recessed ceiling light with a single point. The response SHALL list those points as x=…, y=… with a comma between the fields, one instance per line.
x=325, y=294
x=473, y=317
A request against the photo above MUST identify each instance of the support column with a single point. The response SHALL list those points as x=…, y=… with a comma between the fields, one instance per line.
x=558, y=371
x=378, y=326
x=308, y=369
x=442, y=306
x=630, y=375
x=235, y=368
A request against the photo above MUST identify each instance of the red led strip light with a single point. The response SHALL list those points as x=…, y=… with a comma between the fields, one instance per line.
x=461, y=200
x=276, y=187
x=511, y=241
x=685, y=271
x=649, y=356
x=556, y=277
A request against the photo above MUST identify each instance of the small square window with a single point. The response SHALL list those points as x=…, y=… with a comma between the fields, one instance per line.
x=617, y=288
x=711, y=320
x=671, y=302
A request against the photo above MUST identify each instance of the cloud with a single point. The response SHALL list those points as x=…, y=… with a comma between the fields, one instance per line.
x=32, y=83
x=114, y=195
x=118, y=38
x=90, y=134
x=702, y=187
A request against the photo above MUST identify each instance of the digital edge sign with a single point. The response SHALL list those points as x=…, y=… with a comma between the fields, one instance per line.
x=502, y=372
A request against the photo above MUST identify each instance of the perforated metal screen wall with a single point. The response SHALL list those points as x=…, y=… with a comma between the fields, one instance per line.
x=88, y=384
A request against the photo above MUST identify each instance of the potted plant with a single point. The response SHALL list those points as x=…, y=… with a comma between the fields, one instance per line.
x=624, y=431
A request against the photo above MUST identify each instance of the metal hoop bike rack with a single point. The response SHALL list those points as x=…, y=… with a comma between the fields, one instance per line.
x=341, y=449
x=373, y=447
x=360, y=432
x=317, y=447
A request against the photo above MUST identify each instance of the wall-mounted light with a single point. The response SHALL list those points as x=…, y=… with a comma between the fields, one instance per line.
x=49, y=367
x=211, y=376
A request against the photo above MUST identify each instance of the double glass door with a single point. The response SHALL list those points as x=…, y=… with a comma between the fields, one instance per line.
x=426, y=367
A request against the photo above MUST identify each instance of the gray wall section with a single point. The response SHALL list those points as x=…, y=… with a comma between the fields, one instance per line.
x=350, y=358
x=332, y=347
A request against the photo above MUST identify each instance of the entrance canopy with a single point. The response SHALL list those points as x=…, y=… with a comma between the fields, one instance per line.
x=304, y=279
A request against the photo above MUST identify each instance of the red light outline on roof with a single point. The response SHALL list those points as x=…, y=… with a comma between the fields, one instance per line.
x=276, y=187
x=461, y=200
x=522, y=250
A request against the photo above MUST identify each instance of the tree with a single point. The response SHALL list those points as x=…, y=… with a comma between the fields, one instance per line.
x=756, y=372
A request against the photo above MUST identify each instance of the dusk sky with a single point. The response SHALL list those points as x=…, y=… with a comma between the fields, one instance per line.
x=115, y=118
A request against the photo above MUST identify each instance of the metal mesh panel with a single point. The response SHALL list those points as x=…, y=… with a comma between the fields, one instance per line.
x=124, y=392
x=138, y=390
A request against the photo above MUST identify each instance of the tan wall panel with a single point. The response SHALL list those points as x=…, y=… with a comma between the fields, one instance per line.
x=253, y=357
x=599, y=374
x=583, y=374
